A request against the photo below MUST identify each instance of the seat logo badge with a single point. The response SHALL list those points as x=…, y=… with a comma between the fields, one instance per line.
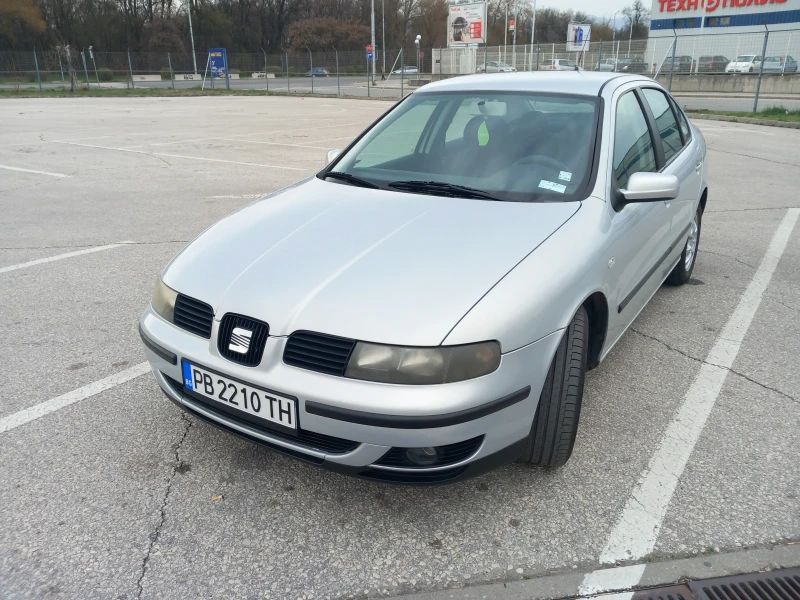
x=240, y=340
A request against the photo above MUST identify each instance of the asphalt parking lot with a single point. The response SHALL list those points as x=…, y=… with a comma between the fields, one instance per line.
x=108, y=491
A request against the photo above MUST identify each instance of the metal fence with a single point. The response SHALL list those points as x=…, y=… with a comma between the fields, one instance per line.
x=695, y=67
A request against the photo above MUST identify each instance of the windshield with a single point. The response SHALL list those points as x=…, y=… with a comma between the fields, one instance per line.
x=745, y=58
x=518, y=147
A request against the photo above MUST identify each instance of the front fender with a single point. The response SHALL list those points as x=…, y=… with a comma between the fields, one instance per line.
x=542, y=293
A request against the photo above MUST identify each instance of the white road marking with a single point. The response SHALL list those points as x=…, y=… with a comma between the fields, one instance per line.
x=636, y=532
x=219, y=160
x=41, y=261
x=344, y=137
x=37, y=411
x=242, y=196
x=271, y=143
x=33, y=171
x=615, y=578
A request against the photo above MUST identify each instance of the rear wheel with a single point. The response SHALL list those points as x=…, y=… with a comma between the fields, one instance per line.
x=683, y=270
x=555, y=425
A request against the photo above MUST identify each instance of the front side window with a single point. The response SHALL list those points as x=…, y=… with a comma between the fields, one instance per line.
x=511, y=146
x=633, y=146
x=665, y=121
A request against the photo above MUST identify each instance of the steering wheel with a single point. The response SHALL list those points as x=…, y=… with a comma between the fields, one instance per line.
x=543, y=160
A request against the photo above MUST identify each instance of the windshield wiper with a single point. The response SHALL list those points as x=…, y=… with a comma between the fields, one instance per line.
x=350, y=179
x=440, y=188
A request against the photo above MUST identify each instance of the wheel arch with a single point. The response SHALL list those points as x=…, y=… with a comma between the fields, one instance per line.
x=703, y=199
x=596, y=307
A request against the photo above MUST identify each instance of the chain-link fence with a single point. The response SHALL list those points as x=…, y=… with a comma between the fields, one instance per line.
x=714, y=71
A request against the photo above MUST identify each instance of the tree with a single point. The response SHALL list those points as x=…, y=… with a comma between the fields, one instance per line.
x=18, y=18
x=638, y=18
x=323, y=33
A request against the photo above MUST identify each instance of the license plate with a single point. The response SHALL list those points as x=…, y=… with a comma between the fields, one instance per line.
x=241, y=396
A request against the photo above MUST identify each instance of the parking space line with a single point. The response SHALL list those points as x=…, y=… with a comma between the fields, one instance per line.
x=636, y=532
x=33, y=171
x=615, y=578
x=219, y=160
x=41, y=261
x=48, y=406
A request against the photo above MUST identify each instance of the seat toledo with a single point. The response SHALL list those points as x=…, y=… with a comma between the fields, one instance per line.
x=426, y=306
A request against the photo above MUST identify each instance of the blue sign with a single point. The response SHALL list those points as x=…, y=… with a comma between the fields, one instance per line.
x=218, y=64
x=369, y=55
x=218, y=61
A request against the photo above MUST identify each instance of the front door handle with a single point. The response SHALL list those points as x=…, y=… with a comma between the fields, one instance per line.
x=698, y=166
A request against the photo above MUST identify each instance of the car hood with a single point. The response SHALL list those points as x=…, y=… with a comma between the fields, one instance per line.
x=367, y=264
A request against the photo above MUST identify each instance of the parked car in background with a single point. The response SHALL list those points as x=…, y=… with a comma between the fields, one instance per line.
x=780, y=64
x=683, y=64
x=607, y=64
x=558, y=64
x=631, y=64
x=318, y=72
x=495, y=66
x=712, y=64
x=744, y=63
x=405, y=70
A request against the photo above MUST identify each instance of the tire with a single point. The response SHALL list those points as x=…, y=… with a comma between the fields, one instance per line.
x=555, y=424
x=683, y=270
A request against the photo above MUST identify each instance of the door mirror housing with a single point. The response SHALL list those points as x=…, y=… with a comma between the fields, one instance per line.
x=650, y=187
x=332, y=154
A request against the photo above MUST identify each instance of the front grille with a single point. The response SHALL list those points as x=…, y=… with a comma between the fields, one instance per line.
x=448, y=455
x=193, y=315
x=317, y=352
x=310, y=439
x=260, y=331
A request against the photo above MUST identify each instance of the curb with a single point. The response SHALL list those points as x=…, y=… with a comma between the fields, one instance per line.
x=747, y=120
x=567, y=585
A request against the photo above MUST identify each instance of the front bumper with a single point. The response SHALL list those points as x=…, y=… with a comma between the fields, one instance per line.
x=349, y=426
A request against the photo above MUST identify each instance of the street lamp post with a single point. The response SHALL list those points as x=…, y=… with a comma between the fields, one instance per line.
x=383, y=41
x=630, y=38
x=416, y=43
x=614, y=38
x=191, y=36
x=372, y=42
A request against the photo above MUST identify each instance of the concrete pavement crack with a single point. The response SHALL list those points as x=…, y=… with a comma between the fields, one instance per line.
x=739, y=260
x=710, y=211
x=701, y=361
x=776, y=162
x=156, y=534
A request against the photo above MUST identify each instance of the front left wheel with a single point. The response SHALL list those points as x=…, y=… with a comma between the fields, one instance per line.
x=555, y=425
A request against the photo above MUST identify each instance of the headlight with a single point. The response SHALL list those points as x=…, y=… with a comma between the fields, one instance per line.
x=164, y=300
x=418, y=366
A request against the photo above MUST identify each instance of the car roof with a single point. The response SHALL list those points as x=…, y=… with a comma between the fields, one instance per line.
x=587, y=83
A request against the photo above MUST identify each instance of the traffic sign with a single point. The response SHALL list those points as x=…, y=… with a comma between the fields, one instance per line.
x=369, y=55
x=369, y=47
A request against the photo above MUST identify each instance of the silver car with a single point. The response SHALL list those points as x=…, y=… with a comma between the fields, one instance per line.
x=425, y=308
x=495, y=66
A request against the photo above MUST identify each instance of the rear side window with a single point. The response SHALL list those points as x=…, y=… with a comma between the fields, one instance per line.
x=665, y=121
x=633, y=146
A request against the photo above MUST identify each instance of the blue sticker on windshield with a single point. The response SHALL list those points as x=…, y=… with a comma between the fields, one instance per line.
x=187, y=375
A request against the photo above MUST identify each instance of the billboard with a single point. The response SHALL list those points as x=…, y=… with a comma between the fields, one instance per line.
x=466, y=24
x=578, y=37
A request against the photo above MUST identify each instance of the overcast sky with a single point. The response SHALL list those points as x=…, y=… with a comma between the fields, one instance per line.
x=599, y=8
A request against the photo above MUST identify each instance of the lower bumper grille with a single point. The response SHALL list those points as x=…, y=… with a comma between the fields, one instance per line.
x=310, y=439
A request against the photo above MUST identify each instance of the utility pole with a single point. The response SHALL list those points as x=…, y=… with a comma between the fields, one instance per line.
x=383, y=27
x=514, y=38
x=372, y=24
x=533, y=25
x=191, y=35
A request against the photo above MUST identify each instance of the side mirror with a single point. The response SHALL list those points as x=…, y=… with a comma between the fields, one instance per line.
x=332, y=154
x=651, y=187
